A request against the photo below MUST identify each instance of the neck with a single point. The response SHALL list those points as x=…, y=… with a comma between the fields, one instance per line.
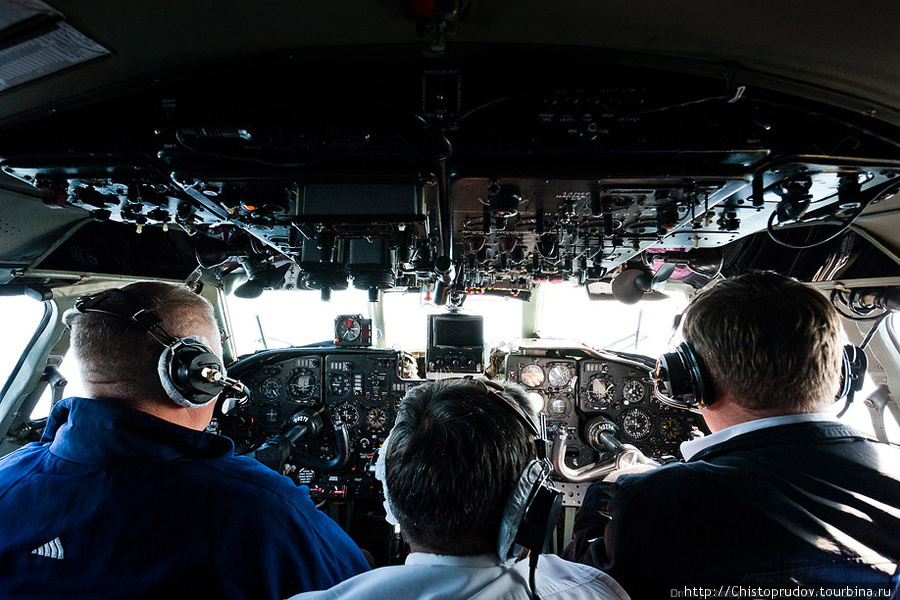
x=725, y=412
x=414, y=547
x=192, y=418
x=160, y=407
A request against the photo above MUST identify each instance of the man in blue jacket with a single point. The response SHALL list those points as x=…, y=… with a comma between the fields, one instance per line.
x=126, y=495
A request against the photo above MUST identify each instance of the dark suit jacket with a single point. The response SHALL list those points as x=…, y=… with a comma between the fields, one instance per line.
x=810, y=502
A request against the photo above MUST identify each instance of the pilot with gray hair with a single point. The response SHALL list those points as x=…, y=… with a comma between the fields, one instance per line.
x=126, y=495
x=463, y=479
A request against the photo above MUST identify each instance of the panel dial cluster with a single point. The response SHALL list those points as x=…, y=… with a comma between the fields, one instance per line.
x=360, y=388
x=574, y=391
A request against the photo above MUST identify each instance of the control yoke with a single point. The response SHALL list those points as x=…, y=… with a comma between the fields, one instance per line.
x=304, y=426
x=626, y=456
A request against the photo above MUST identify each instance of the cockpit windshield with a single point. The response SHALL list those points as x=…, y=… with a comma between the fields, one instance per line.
x=561, y=311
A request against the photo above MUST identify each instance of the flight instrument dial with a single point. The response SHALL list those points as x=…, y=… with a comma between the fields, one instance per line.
x=601, y=390
x=376, y=419
x=271, y=387
x=560, y=376
x=636, y=424
x=302, y=386
x=348, y=329
x=345, y=413
x=633, y=391
x=532, y=376
x=339, y=384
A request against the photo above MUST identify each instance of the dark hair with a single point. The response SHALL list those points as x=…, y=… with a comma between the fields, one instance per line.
x=455, y=454
x=769, y=341
x=110, y=350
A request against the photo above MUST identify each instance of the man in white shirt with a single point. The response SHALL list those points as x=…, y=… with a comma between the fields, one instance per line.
x=451, y=469
x=780, y=493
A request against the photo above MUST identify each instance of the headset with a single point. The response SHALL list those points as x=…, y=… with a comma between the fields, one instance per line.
x=533, y=507
x=191, y=374
x=688, y=385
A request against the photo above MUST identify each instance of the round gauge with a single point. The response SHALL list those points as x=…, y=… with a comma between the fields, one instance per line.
x=532, y=375
x=558, y=406
x=270, y=387
x=671, y=429
x=633, y=391
x=636, y=424
x=270, y=414
x=302, y=385
x=345, y=413
x=376, y=419
x=339, y=384
x=560, y=376
x=601, y=390
x=347, y=329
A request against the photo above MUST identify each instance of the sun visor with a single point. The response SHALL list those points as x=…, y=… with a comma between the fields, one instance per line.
x=35, y=42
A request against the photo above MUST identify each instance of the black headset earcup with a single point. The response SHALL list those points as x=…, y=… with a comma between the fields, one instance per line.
x=540, y=519
x=181, y=367
x=685, y=376
x=846, y=359
x=531, y=512
x=854, y=365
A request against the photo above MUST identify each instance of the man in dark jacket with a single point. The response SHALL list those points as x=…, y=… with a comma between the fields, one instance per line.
x=126, y=495
x=780, y=493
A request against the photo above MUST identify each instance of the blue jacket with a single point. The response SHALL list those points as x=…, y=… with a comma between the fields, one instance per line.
x=115, y=503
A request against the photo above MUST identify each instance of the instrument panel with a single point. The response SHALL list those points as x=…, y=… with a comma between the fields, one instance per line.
x=360, y=388
x=577, y=392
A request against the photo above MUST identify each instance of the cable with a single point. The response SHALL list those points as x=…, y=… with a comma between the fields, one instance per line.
x=844, y=227
x=859, y=313
x=889, y=187
x=878, y=321
x=444, y=139
x=468, y=114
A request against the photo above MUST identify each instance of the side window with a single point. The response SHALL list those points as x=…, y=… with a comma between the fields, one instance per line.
x=69, y=370
x=20, y=317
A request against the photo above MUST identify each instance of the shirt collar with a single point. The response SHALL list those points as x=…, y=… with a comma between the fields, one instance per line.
x=691, y=448
x=105, y=432
x=471, y=560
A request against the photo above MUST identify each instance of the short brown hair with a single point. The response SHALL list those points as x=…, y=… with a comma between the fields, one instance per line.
x=113, y=350
x=769, y=341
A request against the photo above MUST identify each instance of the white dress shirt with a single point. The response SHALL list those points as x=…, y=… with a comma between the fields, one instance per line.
x=691, y=448
x=482, y=577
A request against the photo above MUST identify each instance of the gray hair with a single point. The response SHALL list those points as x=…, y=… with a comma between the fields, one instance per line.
x=114, y=351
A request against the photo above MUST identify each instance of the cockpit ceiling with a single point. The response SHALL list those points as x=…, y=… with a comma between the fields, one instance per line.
x=487, y=175
x=849, y=49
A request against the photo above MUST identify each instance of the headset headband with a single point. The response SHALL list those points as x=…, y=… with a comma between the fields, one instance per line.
x=143, y=318
x=191, y=374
